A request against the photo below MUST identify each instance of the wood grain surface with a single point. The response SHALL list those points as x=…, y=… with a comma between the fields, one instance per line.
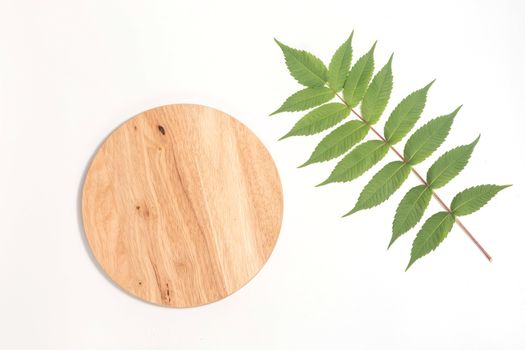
x=182, y=205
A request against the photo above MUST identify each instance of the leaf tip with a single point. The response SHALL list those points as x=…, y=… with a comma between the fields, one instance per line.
x=429, y=85
x=281, y=45
x=304, y=164
x=453, y=114
x=412, y=260
x=284, y=137
x=325, y=182
x=351, y=212
x=278, y=110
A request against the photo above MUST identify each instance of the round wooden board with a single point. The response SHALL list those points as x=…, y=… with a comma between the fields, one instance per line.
x=182, y=205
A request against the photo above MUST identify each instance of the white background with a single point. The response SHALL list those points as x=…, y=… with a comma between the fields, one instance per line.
x=71, y=71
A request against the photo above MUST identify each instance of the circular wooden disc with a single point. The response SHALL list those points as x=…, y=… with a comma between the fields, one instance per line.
x=182, y=205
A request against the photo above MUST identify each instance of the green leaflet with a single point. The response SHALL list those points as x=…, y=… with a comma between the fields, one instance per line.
x=340, y=64
x=358, y=78
x=405, y=115
x=449, y=165
x=472, y=199
x=359, y=160
x=378, y=94
x=410, y=210
x=338, y=141
x=306, y=99
x=319, y=119
x=427, y=139
x=307, y=69
x=433, y=232
x=382, y=186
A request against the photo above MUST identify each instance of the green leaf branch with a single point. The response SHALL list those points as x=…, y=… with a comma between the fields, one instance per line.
x=361, y=88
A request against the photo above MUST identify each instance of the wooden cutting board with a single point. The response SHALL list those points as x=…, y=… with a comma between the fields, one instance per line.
x=182, y=205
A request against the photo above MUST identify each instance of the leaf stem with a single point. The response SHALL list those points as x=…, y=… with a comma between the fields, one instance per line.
x=415, y=172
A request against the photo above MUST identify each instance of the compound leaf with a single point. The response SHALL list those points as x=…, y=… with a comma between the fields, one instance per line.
x=361, y=86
